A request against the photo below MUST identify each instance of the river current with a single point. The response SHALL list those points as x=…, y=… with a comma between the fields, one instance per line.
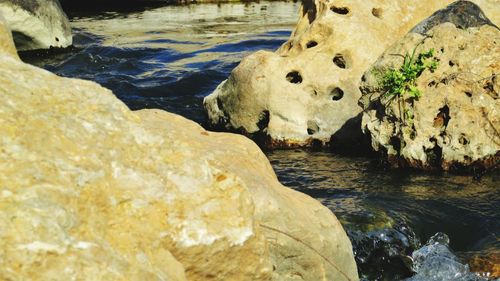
x=172, y=57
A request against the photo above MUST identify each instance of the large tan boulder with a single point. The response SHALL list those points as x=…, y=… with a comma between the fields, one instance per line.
x=455, y=123
x=90, y=190
x=307, y=91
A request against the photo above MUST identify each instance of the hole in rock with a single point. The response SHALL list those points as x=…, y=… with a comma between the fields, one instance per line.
x=220, y=105
x=443, y=117
x=435, y=154
x=311, y=44
x=263, y=120
x=469, y=94
x=377, y=12
x=309, y=9
x=294, y=77
x=57, y=39
x=467, y=159
x=432, y=83
x=463, y=140
x=488, y=86
x=312, y=127
x=22, y=40
x=340, y=10
x=395, y=142
x=337, y=94
x=340, y=61
x=451, y=63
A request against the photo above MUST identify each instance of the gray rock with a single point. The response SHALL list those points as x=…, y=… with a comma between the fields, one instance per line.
x=37, y=24
x=463, y=14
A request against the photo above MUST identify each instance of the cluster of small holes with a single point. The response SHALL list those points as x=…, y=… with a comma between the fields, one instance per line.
x=294, y=77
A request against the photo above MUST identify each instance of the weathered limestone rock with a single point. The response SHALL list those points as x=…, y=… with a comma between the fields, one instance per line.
x=455, y=123
x=307, y=91
x=90, y=190
x=37, y=24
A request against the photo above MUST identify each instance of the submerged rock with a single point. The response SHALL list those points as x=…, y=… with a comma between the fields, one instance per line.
x=307, y=92
x=37, y=24
x=93, y=191
x=455, y=122
x=383, y=254
x=486, y=264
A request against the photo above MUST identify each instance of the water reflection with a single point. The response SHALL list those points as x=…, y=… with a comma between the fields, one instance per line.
x=170, y=57
x=367, y=199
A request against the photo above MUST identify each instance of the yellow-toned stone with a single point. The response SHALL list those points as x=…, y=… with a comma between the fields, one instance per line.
x=332, y=45
x=6, y=43
x=90, y=190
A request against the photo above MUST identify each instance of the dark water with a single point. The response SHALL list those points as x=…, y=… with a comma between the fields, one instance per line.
x=172, y=57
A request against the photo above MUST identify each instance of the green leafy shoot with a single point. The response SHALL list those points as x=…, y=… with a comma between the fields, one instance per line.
x=401, y=82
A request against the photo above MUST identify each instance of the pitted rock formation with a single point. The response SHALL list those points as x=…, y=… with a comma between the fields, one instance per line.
x=456, y=122
x=90, y=190
x=308, y=89
x=37, y=24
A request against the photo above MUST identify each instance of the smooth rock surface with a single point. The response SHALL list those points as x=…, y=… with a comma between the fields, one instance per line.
x=455, y=123
x=37, y=24
x=307, y=91
x=90, y=190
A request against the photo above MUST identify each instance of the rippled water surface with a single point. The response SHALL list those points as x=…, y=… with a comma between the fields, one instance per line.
x=172, y=57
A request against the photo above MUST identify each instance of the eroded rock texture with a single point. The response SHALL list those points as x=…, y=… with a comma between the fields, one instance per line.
x=307, y=91
x=455, y=123
x=90, y=190
x=37, y=24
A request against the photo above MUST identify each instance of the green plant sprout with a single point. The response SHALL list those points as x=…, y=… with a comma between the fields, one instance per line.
x=402, y=83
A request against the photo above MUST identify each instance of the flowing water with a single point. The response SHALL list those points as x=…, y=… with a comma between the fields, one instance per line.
x=171, y=57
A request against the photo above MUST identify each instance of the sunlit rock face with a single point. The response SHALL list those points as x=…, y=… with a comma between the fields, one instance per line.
x=455, y=123
x=90, y=190
x=307, y=91
x=37, y=24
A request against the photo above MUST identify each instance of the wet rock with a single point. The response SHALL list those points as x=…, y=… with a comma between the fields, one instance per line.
x=486, y=264
x=454, y=125
x=384, y=254
x=91, y=190
x=309, y=88
x=37, y=24
x=436, y=262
